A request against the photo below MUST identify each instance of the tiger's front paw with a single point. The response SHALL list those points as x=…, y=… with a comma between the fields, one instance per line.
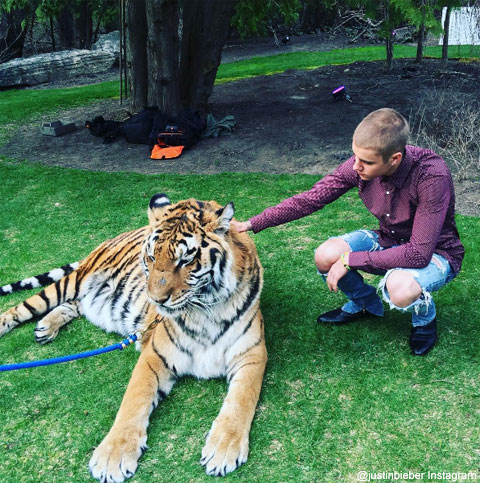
x=225, y=450
x=45, y=330
x=116, y=459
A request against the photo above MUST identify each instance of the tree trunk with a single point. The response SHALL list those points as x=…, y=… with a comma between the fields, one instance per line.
x=65, y=28
x=137, y=53
x=52, y=33
x=169, y=73
x=446, y=28
x=83, y=26
x=389, y=48
x=162, y=55
x=388, y=34
x=421, y=36
x=206, y=24
x=76, y=26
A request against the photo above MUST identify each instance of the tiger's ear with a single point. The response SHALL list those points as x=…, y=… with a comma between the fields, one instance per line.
x=225, y=216
x=157, y=206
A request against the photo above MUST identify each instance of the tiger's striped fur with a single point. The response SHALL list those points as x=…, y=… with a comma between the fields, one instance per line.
x=194, y=286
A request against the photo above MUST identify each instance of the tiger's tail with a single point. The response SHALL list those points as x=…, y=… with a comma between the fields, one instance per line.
x=63, y=290
x=39, y=280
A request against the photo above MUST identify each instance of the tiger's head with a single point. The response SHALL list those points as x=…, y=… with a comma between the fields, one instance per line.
x=186, y=254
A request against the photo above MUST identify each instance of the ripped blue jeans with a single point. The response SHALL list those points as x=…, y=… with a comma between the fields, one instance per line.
x=363, y=296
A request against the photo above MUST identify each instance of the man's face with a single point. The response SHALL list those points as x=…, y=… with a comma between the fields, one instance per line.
x=369, y=164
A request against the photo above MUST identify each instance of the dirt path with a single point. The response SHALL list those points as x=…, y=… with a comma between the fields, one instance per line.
x=287, y=123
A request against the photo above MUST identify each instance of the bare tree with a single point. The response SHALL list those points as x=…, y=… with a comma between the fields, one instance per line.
x=14, y=25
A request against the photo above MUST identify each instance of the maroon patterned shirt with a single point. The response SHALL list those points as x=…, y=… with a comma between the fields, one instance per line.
x=415, y=207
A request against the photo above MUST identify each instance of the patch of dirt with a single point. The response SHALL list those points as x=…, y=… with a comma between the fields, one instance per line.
x=287, y=123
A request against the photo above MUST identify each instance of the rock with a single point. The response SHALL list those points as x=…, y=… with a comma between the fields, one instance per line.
x=43, y=68
x=403, y=34
x=109, y=43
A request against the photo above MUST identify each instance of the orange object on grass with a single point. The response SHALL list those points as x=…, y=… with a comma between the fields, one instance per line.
x=162, y=151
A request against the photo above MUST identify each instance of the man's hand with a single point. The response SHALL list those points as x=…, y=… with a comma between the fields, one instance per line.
x=240, y=226
x=336, y=272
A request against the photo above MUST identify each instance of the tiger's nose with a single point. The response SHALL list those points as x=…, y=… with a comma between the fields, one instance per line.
x=162, y=300
x=162, y=296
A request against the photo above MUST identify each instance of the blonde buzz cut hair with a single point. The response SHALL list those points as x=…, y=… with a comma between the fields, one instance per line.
x=384, y=131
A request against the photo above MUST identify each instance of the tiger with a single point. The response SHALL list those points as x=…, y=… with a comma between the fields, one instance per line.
x=191, y=287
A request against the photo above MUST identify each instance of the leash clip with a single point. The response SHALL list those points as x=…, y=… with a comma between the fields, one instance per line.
x=131, y=339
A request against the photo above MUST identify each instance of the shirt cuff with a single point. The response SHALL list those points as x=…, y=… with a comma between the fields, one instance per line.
x=358, y=260
x=259, y=223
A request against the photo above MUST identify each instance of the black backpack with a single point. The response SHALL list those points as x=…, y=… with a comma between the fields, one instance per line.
x=141, y=127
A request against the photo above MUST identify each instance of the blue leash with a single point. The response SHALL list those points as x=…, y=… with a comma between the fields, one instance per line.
x=82, y=355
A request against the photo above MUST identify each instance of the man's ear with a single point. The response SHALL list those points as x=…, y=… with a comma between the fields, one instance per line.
x=396, y=158
x=157, y=206
x=225, y=216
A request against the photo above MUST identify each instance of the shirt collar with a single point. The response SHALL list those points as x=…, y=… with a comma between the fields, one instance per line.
x=400, y=175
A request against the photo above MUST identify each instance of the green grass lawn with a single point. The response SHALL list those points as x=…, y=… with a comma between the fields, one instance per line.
x=335, y=400
x=312, y=60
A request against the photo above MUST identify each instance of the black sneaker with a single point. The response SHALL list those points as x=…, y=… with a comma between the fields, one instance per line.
x=338, y=316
